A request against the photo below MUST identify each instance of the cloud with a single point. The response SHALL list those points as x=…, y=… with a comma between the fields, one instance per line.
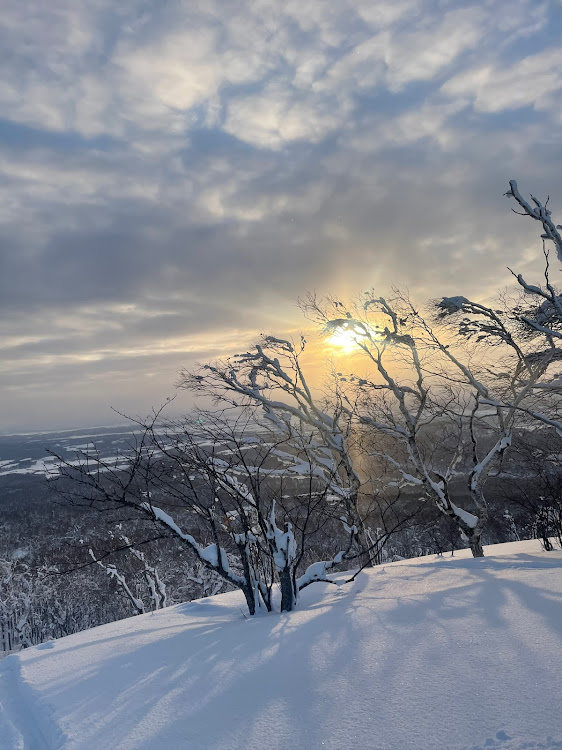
x=276, y=116
x=534, y=81
x=173, y=176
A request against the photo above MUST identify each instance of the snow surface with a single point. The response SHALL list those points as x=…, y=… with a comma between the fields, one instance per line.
x=427, y=654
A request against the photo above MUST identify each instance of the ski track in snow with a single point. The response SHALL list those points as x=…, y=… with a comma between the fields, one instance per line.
x=426, y=654
x=25, y=723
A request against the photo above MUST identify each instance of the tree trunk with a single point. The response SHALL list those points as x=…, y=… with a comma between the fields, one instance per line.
x=362, y=539
x=250, y=600
x=475, y=543
x=288, y=593
x=266, y=598
x=365, y=545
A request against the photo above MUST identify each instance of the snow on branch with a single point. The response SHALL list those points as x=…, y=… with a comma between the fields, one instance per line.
x=214, y=556
x=468, y=518
x=318, y=572
x=482, y=467
x=556, y=424
x=120, y=580
x=539, y=212
x=282, y=542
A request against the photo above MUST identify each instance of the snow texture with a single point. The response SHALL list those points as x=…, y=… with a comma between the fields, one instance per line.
x=427, y=654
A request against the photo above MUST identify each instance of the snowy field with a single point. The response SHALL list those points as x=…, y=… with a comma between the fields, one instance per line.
x=426, y=654
x=26, y=453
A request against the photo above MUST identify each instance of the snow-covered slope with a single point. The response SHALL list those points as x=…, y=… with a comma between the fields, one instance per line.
x=428, y=654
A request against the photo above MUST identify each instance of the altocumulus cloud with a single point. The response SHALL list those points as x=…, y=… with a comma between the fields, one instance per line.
x=174, y=175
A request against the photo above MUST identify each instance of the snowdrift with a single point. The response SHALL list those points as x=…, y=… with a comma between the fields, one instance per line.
x=426, y=654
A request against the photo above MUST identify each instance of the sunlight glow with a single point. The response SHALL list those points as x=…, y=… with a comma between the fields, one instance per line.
x=345, y=341
x=346, y=335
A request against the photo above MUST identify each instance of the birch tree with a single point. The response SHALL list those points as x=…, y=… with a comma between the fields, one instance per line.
x=479, y=368
x=530, y=327
x=416, y=381
x=271, y=377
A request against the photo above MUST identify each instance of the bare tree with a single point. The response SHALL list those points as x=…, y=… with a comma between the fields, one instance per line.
x=271, y=377
x=155, y=585
x=530, y=328
x=536, y=486
x=420, y=383
x=224, y=479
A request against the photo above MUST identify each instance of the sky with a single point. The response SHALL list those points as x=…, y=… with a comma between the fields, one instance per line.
x=174, y=175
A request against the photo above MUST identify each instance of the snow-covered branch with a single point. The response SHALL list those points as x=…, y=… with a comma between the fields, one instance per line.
x=540, y=212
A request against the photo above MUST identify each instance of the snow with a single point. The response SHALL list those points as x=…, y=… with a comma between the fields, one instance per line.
x=50, y=468
x=427, y=654
x=211, y=555
x=450, y=305
x=40, y=466
x=162, y=516
x=469, y=519
x=283, y=542
x=318, y=571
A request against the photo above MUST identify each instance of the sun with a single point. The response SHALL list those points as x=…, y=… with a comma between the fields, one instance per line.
x=346, y=335
x=343, y=341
